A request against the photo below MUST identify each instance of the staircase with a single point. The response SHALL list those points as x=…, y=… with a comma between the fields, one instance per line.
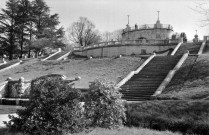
x=144, y=84
x=58, y=55
x=193, y=48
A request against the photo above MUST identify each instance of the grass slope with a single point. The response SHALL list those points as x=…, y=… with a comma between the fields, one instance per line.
x=8, y=109
x=113, y=69
x=185, y=116
x=193, y=86
x=100, y=131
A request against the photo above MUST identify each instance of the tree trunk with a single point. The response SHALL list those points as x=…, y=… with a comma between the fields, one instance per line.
x=30, y=40
x=22, y=40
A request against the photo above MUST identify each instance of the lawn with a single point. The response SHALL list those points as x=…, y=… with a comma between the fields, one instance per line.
x=113, y=69
x=184, y=116
x=9, y=63
x=8, y=109
x=100, y=131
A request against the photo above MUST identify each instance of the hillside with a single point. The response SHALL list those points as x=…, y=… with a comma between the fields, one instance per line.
x=194, y=84
x=113, y=69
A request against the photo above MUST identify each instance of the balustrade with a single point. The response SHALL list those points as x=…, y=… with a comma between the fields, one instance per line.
x=129, y=42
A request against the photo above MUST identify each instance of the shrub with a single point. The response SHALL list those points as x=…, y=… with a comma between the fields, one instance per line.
x=53, y=108
x=103, y=105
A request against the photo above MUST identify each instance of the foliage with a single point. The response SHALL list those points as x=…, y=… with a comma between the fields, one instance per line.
x=185, y=116
x=24, y=20
x=83, y=33
x=53, y=108
x=112, y=36
x=103, y=105
x=8, y=27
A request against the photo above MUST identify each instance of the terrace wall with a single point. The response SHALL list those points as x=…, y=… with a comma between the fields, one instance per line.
x=128, y=49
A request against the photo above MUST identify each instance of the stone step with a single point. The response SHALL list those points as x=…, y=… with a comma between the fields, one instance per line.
x=144, y=84
x=148, y=79
x=128, y=85
x=140, y=89
x=136, y=98
x=139, y=86
x=138, y=93
x=151, y=74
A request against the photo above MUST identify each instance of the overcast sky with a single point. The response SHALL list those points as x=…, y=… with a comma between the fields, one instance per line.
x=109, y=15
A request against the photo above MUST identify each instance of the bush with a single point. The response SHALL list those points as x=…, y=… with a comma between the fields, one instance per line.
x=53, y=108
x=103, y=105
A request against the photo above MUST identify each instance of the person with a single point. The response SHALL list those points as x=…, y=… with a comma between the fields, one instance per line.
x=136, y=26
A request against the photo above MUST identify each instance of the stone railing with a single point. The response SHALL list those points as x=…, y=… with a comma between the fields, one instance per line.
x=147, y=26
x=17, y=88
x=201, y=48
x=58, y=51
x=21, y=88
x=129, y=42
x=132, y=73
x=170, y=75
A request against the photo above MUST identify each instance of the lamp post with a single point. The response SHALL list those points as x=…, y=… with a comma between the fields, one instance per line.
x=158, y=14
x=128, y=26
x=128, y=19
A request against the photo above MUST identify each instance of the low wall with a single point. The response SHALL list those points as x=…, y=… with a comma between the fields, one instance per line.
x=21, y=88
x=116, y=50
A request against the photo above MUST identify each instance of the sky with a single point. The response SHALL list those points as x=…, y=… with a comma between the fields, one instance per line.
x=110, y=15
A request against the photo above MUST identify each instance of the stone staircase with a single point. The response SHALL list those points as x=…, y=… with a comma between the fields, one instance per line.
x=144, y=84
x=193, y=48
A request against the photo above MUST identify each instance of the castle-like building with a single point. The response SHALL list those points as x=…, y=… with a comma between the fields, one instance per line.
x=157, y=31
x=137, y=40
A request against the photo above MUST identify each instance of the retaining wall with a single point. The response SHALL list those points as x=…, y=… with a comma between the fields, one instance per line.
x=116, y=50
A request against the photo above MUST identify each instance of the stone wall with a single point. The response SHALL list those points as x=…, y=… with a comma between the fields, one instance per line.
x=112, y=51
x=21, y=88
x=17, y=88
x=148, y=34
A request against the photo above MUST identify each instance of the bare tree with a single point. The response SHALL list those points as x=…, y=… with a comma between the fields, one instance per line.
x=109, y=36
x=202, y=7
x=83, y=32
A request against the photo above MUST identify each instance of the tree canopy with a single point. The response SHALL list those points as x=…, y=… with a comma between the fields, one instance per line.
x=23, y=22
x=83, y=32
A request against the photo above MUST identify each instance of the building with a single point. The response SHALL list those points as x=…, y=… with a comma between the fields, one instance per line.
x=137, y=40
x=157, y=31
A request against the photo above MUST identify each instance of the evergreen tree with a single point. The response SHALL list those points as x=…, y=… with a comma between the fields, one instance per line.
x=8, y=27
x=23, y=22
x=24, y=19
x=45, y=27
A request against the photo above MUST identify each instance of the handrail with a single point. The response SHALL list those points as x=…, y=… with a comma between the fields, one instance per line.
x=201, y=48
x=13, y=65
x=147, y=26
x=127, y=42
x=170, y=75
x=51, y=55
x=132, y=73
x=176, y=48
x=63, y=56
x=2, y=88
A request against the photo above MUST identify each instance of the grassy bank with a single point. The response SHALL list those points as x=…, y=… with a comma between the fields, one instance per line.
x=184, y=116
x=190, y=82
x=8, y=109
x=100, y=131
x=113, y=69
